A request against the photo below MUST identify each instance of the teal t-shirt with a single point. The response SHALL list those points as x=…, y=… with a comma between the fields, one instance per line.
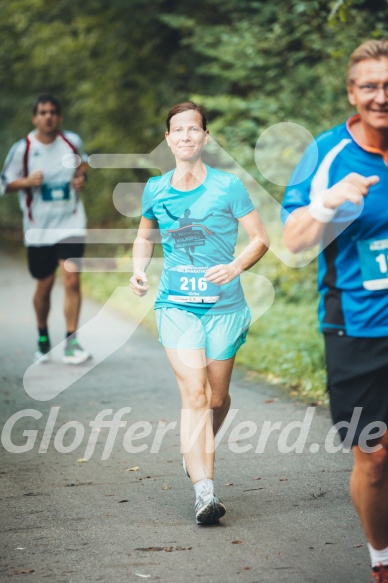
x=198, y=230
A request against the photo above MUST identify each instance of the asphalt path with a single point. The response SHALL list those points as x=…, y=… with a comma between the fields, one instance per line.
x=91, y=499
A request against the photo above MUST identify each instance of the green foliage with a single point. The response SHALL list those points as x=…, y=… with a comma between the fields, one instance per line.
x=119, y=66
x=294, y=286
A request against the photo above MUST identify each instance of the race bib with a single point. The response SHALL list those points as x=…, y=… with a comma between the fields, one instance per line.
x=54, y=192
x=187, y=285
x=374, y=263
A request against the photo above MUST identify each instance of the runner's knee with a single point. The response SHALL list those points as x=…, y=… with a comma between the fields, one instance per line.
x=197, y=399
x=44, y=287
x=219, y=402
x=71, y=282
x=374, y=466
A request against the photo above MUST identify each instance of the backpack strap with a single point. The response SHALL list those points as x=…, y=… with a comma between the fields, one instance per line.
x=72, y=146
x=68, y=142
x=28, y=190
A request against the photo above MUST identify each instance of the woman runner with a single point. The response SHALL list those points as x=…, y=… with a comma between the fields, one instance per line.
x=201, y=312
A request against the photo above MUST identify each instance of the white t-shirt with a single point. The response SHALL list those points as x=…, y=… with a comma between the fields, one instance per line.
x=56, y=211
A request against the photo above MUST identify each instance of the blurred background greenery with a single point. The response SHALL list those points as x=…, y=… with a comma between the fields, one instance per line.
x=118, y=66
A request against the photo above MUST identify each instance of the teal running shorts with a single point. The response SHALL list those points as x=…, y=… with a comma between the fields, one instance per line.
x=221, y=335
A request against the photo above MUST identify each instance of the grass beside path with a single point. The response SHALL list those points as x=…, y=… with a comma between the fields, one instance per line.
x=285, y=347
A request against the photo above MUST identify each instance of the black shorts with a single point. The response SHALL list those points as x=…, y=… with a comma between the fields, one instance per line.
x=357, y=376
x=44, y=260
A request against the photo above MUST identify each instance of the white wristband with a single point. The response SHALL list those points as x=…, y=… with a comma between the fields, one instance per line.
x=318, y=211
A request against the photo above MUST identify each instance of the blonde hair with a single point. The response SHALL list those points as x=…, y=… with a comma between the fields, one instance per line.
x=370, y=49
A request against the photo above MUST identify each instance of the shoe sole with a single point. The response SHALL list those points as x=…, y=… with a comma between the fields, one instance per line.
x=211, y=513
x=75, y=359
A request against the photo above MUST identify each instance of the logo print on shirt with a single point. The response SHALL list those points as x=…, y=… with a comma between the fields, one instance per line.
x=186, y=237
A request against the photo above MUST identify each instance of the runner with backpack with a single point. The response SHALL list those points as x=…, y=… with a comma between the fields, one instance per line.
x=48, y=169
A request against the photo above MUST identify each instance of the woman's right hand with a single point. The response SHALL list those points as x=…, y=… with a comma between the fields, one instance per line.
x=137, y=283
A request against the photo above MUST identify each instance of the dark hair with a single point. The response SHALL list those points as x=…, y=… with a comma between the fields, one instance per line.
x=370, y=49
x=186, y=106
x=47, y=98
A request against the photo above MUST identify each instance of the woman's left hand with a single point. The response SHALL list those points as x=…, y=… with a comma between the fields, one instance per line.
x=220, y=274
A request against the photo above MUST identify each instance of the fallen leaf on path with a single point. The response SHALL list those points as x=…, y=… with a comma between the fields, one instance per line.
x=24, y=572
x=229, y=484
x=283, y=479
x=236, y=542
x=82, y=460
x=134, y=469
x=140, y=575
x=121, y=501
x=256, y=478
x=183, y=548
x=166, y=487
x=357, y=546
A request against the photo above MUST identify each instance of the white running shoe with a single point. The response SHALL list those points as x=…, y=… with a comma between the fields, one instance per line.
x=208, y=508
x=74, y=353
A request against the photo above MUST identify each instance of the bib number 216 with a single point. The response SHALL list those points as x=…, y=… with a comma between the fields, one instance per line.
x=188, y=284
x=193, y=284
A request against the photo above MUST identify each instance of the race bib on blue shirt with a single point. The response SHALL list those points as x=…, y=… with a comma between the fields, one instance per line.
x=373, y=256
x=186, y=284
x=54, y=192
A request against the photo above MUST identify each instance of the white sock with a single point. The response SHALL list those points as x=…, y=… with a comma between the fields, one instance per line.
x=205, y=484
x=378, y=557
